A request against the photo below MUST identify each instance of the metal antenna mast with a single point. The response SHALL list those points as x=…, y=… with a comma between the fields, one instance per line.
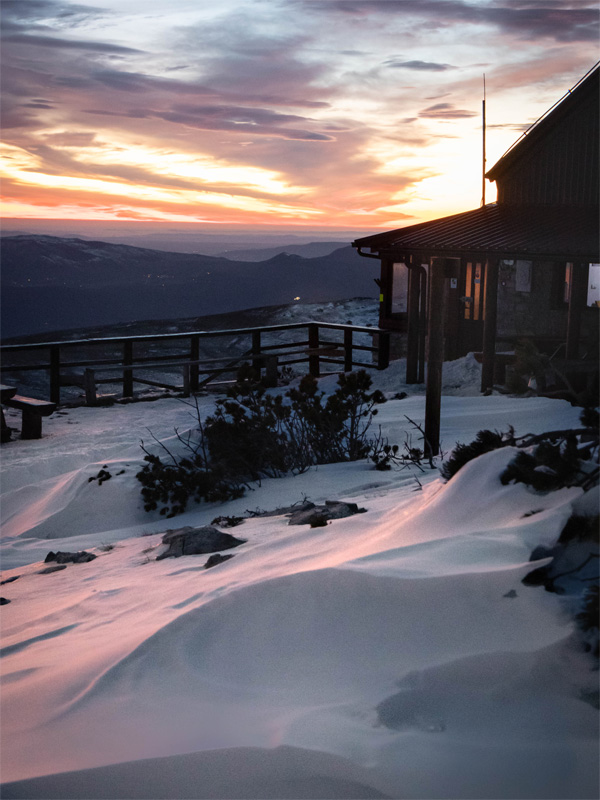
x=483, y=154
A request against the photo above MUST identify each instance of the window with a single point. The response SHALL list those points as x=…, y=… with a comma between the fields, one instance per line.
x=399, y=289
x=523, y=276
x=593, y=293
x=568, y=282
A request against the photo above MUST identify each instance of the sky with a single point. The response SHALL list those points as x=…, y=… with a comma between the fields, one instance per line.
x=303, y=114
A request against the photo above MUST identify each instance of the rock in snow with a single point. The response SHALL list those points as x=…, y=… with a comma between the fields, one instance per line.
x=192, y=541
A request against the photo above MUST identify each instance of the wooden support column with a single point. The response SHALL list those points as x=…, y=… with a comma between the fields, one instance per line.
x=435, y=357
x=577, y=301
x=412, y=334
x=422, y=323
x=489, y=324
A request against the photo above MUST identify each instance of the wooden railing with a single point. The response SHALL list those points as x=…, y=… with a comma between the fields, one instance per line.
x=318, y=345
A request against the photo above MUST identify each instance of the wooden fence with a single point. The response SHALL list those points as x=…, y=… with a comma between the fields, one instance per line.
x=321, y=342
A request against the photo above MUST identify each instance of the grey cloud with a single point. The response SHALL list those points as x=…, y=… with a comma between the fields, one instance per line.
x=45, y=15
x=67, y=44
x=445, y=111
x=34, y=104
x=240, y=125
x=563, y=22
x=426, y=66
x=259, y=122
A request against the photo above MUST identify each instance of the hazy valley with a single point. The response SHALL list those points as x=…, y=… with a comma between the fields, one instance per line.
x=52, y=283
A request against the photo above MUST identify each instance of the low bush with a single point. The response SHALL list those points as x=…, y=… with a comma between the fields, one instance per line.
x=253, y=435
x=484, y=442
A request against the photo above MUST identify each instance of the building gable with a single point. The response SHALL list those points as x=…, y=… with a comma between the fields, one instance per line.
x=556, y=161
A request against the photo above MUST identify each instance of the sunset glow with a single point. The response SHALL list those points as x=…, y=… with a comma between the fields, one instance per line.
x=349, y=114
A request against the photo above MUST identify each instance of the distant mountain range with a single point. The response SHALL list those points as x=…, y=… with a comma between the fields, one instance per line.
x=52, y=283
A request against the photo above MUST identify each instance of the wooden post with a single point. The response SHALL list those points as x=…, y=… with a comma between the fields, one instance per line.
x=435, y=357
x=577, y=301
x=187, y=368
x=412, y=335
x=89, y=383
x=313, y=345
x=256, y=345
x=422, y=322
x=271, y=371
x=194, y=356
x=489, y=324
x=55, y=374
x=383, y=352
x=347, y=350
x=127, y=373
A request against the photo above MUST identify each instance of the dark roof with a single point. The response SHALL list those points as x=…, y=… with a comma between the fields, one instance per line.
x=585, y=91
x=543, y=232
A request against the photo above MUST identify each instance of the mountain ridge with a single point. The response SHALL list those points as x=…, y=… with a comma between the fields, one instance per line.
x=54, y=283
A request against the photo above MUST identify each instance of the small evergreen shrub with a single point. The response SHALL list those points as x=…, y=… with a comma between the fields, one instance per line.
x=549, y=466
x=484, y=442
x=253, y=435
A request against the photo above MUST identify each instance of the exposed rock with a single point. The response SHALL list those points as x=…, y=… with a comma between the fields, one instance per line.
x=10, y=580
x=193, y=541
x=4, y=601
x=283, y=510
x=81, y=557
x=48, y=570
x=228, y=522
x=317, y=516
x=511, y=594
x=216, y=559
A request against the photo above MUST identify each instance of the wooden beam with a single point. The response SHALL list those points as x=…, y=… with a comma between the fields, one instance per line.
x=489, y=324
x=577, y=301
x=435, y=357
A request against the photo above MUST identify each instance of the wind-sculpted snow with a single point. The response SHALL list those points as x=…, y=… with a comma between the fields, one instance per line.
x=393, y=653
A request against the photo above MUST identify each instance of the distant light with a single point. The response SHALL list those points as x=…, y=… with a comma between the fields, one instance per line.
x=296, y=298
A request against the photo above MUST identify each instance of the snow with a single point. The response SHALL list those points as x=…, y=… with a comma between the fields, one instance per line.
x=394, y=653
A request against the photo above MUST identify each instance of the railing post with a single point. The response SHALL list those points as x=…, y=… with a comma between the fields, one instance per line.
x=194, y=356
x=313, y=346
x=127, y=373
x=347, y=350
x=187, y=368
x=383, y=350
x=89, y=383
x=271, y=373
x=55, y=374
x=256, y=345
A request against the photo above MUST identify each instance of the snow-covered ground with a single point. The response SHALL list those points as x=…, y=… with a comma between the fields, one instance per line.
x=394, y=653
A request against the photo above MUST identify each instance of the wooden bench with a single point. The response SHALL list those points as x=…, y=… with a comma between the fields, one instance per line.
x=32, y=412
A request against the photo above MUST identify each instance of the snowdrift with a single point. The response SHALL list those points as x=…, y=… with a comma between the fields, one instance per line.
x=395, y=653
